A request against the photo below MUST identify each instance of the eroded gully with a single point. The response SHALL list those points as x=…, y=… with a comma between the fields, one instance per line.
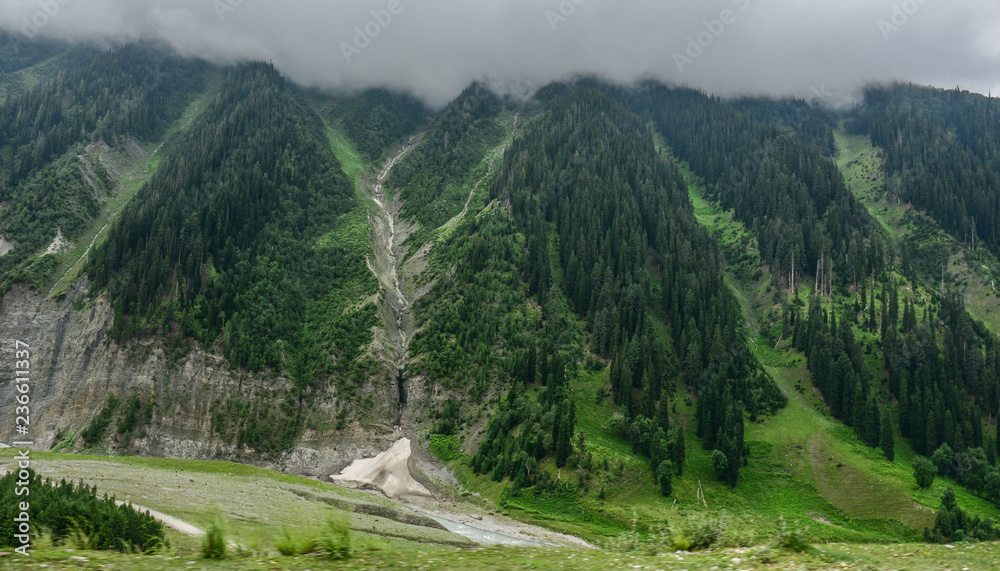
x=390, y=231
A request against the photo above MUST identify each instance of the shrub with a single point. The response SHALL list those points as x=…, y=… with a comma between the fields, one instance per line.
x=628, y=542
x=445, y=448
x=721, y=465
x=943, y=458
x=333, y=540
x=954, y=524
x=213, y=544
x=99, y=424
x=659, y=540
x=790, y=539
x=923, y=471
x=287, y=545
x=699, y=532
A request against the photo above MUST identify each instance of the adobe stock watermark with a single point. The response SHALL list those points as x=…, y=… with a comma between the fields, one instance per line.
x=566, y=9
x=22, y=384
x=700, y=42
x=48, y=10
x=364, y=35
x=901, y=14
x=225, y=7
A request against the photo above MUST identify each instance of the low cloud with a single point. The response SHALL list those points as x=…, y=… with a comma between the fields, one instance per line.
x=435, y=48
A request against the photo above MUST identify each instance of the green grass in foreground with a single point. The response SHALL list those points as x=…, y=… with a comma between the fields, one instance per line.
x=255, y=504
x=913, y=557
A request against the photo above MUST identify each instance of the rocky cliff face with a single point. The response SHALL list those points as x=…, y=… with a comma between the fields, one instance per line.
x=75, y=367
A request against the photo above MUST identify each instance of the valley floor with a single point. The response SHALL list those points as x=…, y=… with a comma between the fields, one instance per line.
x=258, y=505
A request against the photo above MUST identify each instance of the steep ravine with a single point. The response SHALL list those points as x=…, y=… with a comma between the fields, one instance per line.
x=76, y=367
x=397, y=271
x=389, y=232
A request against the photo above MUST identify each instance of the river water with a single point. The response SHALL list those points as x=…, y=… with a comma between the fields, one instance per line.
x=482, y=537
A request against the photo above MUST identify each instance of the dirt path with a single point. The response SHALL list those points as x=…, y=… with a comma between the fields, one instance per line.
x=169, y=521
x=90, y=246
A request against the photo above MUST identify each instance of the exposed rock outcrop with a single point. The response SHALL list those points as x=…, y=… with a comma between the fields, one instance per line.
x=75, y=366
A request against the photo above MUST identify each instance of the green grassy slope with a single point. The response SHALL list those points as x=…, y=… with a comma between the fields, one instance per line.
x=975, y=273
x=806, y=446
x=136, y=169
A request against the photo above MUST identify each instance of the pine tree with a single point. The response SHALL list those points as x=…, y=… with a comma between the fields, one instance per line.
x=872, y=422
x=679, y=452
x=663, y=416
x=564, y=445
x=904, y=407
x=931, y=434
x=858, y=411
x=665, y=474
x=886, y=441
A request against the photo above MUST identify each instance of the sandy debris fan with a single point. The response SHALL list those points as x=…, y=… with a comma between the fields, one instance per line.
x=388, y=472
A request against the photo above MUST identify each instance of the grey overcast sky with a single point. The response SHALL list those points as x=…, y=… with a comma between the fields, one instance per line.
x=437, y=47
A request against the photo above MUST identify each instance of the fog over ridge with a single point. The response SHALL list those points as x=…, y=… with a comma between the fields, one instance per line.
x=435, y=48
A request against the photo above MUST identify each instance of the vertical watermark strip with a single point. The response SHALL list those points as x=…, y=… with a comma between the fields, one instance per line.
x=22, y=427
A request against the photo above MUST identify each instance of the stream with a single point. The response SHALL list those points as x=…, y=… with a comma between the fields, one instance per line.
x=480, y=536
x=387, y=267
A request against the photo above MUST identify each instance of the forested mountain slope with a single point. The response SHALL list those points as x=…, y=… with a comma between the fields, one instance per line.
x=942, y=150
x=24, y=64
x=810, y=123
x=48, y=187
x=890, y=328
x=594, y=298
x=435, y=178
x=375, y=120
